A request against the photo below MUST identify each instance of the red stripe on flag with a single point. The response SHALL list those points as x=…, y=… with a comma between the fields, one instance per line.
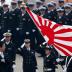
x=64, y=38
x=67, y=54
x=36, y=23
x=65, y=46
x=63, y=31
x=55, y=26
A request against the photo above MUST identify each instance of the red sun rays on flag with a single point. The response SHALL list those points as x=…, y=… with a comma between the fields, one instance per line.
x=48, y=34
x=60, y=36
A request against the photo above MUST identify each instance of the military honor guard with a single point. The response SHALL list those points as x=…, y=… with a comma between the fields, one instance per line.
x=50, y=12
x=38, y=3
x=49, y=60
x=42, y=10
x=29, y=59
x=14, y=21
x=61, y=3
x=19, y=3
x=60, y=16
x=10, y=52
x=68, y=14
x=5, y=18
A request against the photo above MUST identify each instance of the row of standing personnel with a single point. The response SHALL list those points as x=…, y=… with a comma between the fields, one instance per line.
x=21, y=25
x=8, y=54
x=18, y=22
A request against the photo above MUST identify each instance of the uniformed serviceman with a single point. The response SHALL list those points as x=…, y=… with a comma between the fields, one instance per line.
x=2, y=57
x=42, y=10
x=5, y=18
x=22, y=26
x=49, y=61
x=10, y=52
x=60, y=16
x=61, y=3
x=19, y=3
x=29, y=59
x=38, y=3
x=50, y=13
x=14, y=21
x=30, y=30
x=68, y=14
x=30, y=5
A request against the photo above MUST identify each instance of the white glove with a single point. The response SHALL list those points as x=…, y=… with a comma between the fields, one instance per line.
x=58, y=59
x=17, y=29
x=14, y=66
x=3, y=60
x=37, y=70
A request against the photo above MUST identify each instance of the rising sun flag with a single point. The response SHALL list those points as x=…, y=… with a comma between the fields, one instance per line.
x=60, y=36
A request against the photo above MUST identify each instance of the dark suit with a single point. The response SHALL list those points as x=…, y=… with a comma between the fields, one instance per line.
x=29, y=60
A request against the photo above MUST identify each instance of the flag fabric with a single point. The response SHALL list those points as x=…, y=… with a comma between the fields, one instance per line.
x=60, y=36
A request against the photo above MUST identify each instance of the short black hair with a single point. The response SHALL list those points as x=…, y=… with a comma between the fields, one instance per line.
x=1, y=43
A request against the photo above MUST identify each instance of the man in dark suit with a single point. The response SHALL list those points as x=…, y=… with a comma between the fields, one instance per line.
x=10, y=52
x=29, y=59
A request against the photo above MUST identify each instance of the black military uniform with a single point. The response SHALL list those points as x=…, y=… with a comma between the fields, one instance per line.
x=42, y=10
x=5, y=19
x=29, y=59
x=60, y=18
x=14, y=22
x=10, y=53
x=68, y=14
x=29, y=30
x=50, y=13
x=61, y=3
x=49, y=62
x=38, y=3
